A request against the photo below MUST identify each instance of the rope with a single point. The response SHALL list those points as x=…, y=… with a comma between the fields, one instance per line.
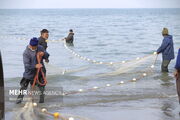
x=39, y=70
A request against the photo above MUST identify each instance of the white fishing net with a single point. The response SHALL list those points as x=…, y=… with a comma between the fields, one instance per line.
x=128, y=69
x=29, y=112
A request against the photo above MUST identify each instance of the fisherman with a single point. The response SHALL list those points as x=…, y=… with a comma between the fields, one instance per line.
x=167, y=50
x=31, y=65
x=42, y=40
x=177, y=74
x=70, y=38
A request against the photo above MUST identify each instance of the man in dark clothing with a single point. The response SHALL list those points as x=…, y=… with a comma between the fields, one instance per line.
x=42, y=40
x=177, y=74
x=167, y=50
x=31, y=65
x=70, y=38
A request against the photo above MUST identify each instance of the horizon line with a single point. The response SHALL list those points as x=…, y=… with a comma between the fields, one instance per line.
x=91, y=8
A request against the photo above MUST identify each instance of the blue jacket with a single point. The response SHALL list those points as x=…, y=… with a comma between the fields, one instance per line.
x=30, y=61
x=177, y=66
x=167, y=48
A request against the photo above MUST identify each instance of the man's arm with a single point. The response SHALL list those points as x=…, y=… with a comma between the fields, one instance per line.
x=163, y=46
x=46, y=54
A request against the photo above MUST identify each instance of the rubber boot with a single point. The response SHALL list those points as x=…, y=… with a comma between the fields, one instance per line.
x=19, y=99
x=24, y=84
x=41, y=99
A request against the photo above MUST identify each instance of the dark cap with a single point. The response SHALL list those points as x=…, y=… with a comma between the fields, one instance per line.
x=33, y=41
x=71, y=30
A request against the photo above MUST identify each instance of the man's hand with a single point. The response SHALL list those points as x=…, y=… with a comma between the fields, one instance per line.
x=175, y=73
x=155, y=53
x=39, y=66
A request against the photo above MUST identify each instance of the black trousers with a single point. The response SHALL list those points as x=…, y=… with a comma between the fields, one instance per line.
x=24, y=85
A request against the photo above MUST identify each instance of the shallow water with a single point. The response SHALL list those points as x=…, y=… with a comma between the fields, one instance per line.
x=108, y=35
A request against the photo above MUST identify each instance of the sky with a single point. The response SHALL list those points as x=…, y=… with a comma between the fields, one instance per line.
x=28, y=4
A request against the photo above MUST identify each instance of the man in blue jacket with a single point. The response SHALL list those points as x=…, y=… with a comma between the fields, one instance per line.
x=31, y=65
x=167, y=50
x=177, y=74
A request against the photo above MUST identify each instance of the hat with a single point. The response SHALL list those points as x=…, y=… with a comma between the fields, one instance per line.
x=71, y=30
x=33, y=41
x=165, y=31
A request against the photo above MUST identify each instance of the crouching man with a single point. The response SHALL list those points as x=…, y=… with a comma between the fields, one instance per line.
x=31, y=65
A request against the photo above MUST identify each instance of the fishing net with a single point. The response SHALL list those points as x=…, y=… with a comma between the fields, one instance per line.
x=95, y=70
x=31, y=112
